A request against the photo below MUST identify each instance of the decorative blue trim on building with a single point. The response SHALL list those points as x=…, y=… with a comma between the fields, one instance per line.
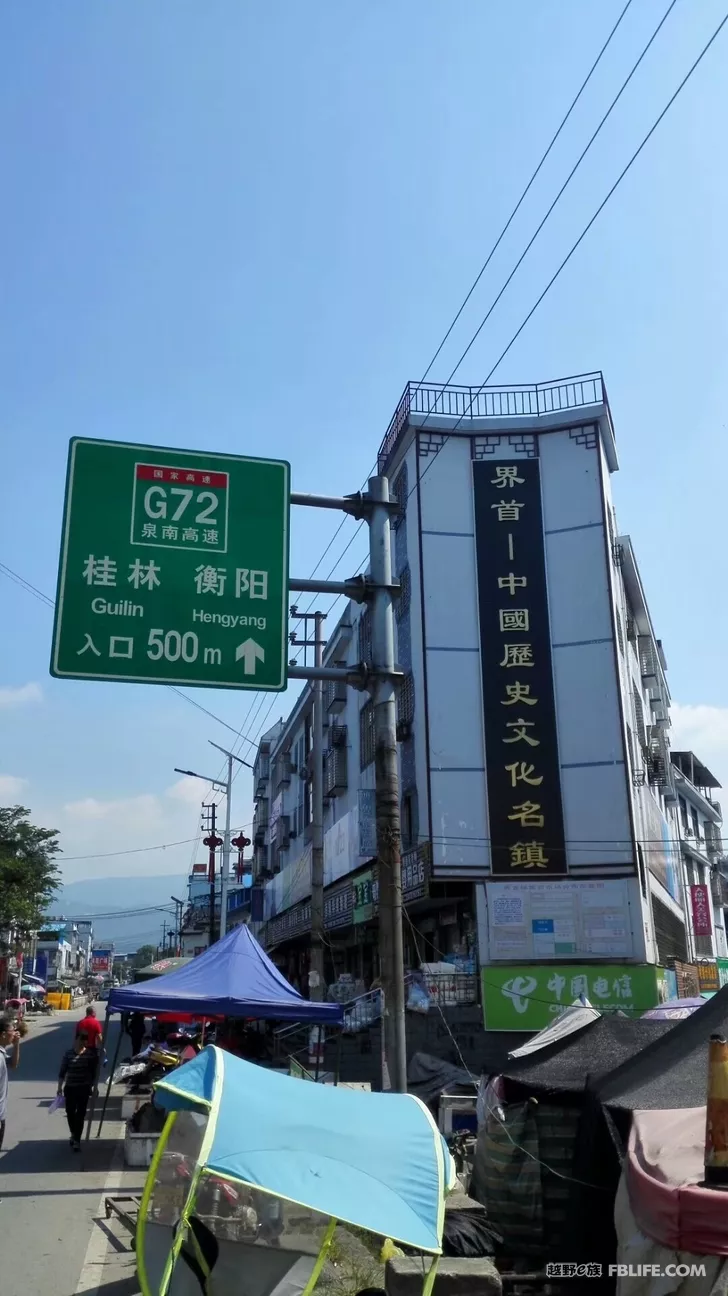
x=582, y=643
x=583, y=526
x=590, y=764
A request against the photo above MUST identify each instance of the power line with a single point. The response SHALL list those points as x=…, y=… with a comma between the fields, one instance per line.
x=139, y=850
x=111, y=913
x=563, y=188
x=574, y=246
x=527, y=189
x=529, y=245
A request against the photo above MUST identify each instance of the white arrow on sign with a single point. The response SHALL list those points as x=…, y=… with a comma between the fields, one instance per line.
x=250, y=651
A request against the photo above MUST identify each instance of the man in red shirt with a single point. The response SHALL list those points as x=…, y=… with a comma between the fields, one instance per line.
x=91, y=1027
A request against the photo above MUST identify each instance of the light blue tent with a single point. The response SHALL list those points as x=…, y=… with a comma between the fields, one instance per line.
x=255, y=1168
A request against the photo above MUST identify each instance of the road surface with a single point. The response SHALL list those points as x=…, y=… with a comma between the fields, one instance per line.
x=55, y=1235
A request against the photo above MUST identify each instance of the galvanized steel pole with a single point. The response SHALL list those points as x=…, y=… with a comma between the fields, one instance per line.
x=316, y=971
x=387, y=789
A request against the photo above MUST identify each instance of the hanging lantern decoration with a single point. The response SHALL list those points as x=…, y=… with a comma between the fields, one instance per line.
x=240, y=842
x=212, y=842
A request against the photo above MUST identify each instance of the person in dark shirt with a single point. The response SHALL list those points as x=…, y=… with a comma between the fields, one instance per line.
x=76, y=1080
x=136, y=1029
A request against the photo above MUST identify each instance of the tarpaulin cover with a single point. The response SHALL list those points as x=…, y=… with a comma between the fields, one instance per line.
x=671, y=1072
x=233, y=978
x=593, y=1051
x=377, y=1161
x=428, y=1077
x=572, y=1019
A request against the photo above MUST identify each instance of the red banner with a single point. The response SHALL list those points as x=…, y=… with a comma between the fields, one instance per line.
x=189, y=477
x=700, y=903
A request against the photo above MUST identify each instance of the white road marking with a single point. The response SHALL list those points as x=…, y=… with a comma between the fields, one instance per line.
x=92, y=1273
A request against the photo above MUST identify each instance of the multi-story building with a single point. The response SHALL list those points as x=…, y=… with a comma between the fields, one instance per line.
x=537, y=787
x=697, y=827
x=195, y=933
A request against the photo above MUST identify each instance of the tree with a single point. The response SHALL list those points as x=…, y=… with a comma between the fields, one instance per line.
x=29, y=875
x=143, y=957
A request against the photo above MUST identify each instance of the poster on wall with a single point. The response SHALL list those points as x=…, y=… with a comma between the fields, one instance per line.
x=526, y=821
x=552, y=920
x=659, y=850
x=351, y=840
x=528, y=998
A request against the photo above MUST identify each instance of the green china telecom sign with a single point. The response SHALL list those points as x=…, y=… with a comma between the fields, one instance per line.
x=173, y=569
x=528, y=998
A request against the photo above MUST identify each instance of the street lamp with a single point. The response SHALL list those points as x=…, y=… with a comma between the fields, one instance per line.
x=227, y=788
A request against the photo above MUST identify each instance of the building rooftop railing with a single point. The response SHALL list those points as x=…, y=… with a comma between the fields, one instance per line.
x=510, y=401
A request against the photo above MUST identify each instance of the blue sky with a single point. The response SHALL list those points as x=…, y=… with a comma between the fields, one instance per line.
x=244, y=227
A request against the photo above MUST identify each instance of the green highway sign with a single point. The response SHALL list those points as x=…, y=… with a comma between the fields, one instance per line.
x=173, y=568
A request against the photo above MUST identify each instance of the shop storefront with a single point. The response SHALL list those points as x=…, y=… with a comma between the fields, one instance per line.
x=438, y=924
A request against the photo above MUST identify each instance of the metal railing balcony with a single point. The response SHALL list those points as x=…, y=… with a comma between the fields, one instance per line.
x=503, y=402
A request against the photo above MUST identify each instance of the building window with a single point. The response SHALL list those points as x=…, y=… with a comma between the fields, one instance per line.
x=406, y=700
x=366, y=735
x=399, y=492
x=402, y=603
x=409, y=819
x=639, y=716
x=620, y=633
x=365, y=636
x=696, y=823
x=684, y=815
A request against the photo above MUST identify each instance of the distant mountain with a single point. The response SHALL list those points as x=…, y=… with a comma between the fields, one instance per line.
x=127, y=905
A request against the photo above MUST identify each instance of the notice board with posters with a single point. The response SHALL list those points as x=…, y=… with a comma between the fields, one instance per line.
x=552, y=920
x=526, y=821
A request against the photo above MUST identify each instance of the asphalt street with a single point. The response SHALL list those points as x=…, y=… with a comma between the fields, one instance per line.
x=54, y=1233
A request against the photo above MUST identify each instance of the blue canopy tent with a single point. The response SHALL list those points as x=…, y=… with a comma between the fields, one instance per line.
x=298, y=1157
x=233, y=978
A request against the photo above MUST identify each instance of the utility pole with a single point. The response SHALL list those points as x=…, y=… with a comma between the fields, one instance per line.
x=230, y=757
x=379, y=677
x=179, y=910
x=391, y=954
x=316, y=970
x=212, y=842
x=219, y=841
x=316, y=977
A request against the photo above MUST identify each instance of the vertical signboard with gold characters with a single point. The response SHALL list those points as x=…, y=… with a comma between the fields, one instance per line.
x=521, y=749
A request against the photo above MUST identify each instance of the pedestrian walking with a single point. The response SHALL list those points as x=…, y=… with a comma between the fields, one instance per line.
x=90, y=1026
x=76, y=1080
x=9, y=1059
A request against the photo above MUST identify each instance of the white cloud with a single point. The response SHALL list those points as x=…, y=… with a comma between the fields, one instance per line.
x=129, y=808
x=704, y=730
x=16, y=697
x=189, y=790
x=112, y=834
x=11, y=788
